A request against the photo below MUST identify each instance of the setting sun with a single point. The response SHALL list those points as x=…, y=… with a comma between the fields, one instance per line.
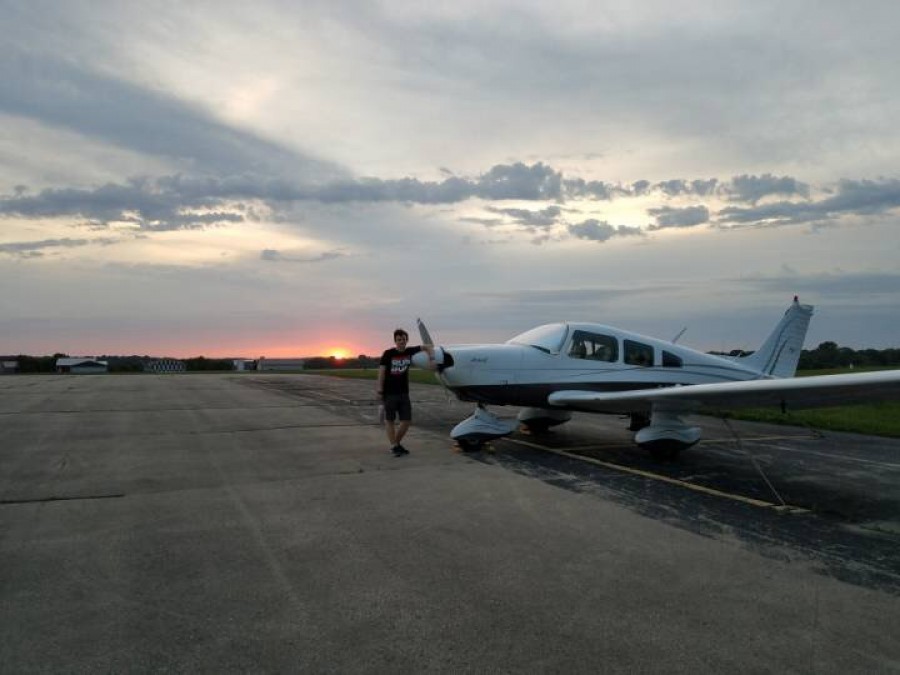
x=339, y=353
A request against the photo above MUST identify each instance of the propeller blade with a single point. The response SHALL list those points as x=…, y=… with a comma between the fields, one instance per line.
x=441, y=358
x=423, y=333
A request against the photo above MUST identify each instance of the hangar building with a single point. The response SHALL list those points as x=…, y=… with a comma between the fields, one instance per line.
x=81, y=365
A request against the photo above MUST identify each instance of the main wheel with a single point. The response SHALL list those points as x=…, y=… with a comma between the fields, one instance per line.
x=536, y=426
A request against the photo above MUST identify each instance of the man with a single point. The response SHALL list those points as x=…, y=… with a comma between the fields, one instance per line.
x=393, y=388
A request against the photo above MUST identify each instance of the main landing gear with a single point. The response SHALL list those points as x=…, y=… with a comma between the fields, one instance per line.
x=539, y=420
x=666, y=434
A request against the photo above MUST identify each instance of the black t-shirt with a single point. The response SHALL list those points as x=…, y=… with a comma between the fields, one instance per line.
x=396, y=363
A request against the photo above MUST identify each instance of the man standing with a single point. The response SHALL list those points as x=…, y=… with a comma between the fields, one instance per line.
x=393, y=388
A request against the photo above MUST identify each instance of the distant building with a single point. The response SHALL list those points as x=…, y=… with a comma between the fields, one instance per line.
x=279, y=364
x=165, y=366
x=8, y=365
x=244, y=364
x=81, y=366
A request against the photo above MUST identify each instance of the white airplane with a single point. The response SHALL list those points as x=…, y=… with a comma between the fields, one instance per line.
x=560, y=368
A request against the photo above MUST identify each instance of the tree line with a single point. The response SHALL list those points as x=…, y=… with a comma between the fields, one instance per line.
x=826, y=355
x=830, y=355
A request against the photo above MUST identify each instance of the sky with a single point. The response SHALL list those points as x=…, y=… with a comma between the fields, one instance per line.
x=295, y=178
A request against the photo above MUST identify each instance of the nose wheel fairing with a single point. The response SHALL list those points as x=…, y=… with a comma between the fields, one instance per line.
x=480, y=427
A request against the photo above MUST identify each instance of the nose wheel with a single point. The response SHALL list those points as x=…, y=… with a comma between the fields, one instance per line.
x=469, y=446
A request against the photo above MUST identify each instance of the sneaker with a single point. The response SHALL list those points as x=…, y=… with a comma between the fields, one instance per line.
x=398, y=451
x=403, y=450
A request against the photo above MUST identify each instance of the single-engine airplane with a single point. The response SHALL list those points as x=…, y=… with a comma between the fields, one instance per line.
x=560, y=368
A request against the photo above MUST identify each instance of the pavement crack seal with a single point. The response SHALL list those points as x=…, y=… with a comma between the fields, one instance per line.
x=71, y=498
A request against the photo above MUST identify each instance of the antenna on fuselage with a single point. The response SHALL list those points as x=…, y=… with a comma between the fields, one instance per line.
x=680, y=333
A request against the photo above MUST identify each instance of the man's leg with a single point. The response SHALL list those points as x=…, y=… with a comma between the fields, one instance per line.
x=391, y=431
x=404, y=413
x=402, y=428
x=390, y=414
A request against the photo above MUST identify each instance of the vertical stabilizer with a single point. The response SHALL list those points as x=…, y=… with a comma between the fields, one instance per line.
x=779, y=355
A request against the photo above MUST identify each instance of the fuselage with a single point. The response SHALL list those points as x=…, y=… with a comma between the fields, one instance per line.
x=577, y=356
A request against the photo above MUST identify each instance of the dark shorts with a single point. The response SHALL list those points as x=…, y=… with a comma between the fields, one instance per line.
x=397, y=404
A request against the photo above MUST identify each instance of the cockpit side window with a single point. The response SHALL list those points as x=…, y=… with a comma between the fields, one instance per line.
x=594, y=346
x=638, y=354
x=670, y=360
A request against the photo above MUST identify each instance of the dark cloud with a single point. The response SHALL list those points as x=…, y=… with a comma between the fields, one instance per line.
x=579, y=188
x=677, y=187
x=600, y=231
x=177, y=202
x=150, y=204
x=852, y=198
x=504, y=181
x=181, y=201
x=753, y=188
x=544, y=218
x=667, y=216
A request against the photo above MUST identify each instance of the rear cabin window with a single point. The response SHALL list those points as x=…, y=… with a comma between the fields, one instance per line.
x=671, y=361
x=638, y=354
x=594, y=346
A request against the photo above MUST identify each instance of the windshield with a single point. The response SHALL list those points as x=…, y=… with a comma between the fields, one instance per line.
x=548, y=338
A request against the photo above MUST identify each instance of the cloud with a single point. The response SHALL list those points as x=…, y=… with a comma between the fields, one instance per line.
x=272, y=255
x=595, y=230
x=178, y=201
x=60, y=93
x=196, y=201
x=668, y=216
x=504, y=181
x=578, y=187
x=753, y=188
x=545, y=218
x=676, y=187
x=575, y=188
x=857, y=286
x=568, y=296
x=852, y=198
x=34, y=249
x=149, y=204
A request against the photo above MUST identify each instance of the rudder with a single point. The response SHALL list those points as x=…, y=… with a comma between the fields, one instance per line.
x=780, y=353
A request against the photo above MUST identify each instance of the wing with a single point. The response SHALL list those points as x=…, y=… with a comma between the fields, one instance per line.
x=796, y=392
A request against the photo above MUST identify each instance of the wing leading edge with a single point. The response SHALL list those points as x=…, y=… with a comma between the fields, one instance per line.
x=799, y=392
